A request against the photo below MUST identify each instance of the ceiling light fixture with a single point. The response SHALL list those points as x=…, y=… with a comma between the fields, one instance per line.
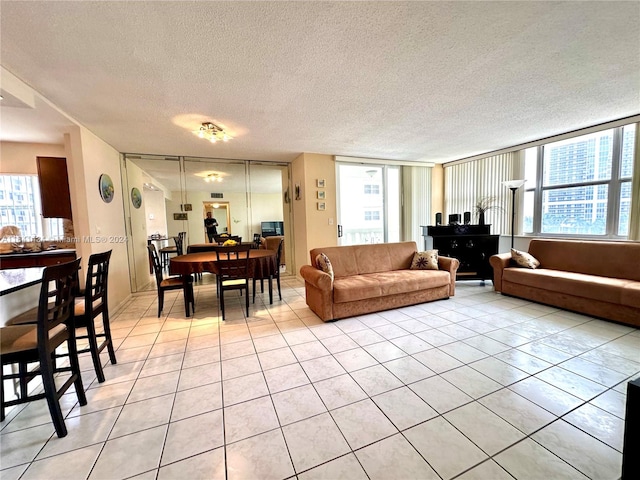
x=212, y=132
x=213, y=177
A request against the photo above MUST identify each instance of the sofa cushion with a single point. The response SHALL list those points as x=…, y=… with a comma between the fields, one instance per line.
x=370, y=285
x=524, y=259
x=371, y=258
x=427, y=260
x=577, y=284
x=606, y=259
x=631, y=295
x=323, y=263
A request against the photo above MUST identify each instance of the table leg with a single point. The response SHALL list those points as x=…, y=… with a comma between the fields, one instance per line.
x=185, y=293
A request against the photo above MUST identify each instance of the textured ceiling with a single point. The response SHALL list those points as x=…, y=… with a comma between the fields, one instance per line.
x=430, y=81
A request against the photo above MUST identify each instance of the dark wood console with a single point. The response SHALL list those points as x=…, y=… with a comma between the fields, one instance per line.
x=472, y=245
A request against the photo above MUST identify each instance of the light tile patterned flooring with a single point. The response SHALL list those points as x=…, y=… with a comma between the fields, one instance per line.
x=479, y=386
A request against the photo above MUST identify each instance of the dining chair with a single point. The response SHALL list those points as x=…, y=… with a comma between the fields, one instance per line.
x=170, y=283
x=26, y=344
x=233, y=272
x=177, y=248
x=278, y=263
x=276, y=274
x=92, y=304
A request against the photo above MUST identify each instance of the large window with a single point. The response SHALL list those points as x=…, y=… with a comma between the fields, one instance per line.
x=20, y=207
x=580, y=186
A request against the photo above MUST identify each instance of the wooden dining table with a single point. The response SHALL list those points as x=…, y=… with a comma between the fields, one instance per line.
x=262, y=265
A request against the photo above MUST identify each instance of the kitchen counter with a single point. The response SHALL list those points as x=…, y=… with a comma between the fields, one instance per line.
x=17, y=279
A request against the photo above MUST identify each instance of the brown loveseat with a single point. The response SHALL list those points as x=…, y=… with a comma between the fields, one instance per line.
x=371, y=278
x=592, y=277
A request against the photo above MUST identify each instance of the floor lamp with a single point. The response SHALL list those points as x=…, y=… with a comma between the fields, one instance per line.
x=513, y=185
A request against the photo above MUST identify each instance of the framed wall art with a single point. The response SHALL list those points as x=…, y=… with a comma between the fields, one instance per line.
x=105, y=186
x=321, y=195
x=136, y=197
x=322, y=206
x=320, y=183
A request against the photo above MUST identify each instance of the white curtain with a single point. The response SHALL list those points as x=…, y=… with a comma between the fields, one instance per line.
x=467, y=183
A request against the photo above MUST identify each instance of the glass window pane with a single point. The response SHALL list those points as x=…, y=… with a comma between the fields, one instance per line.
x=625, y=206
x=628, y=140
x=355, y=208
x=527, y=226
x=575, y=210
x=579, y=159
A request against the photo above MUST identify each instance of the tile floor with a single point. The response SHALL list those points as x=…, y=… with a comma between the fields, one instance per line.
x=479, y=386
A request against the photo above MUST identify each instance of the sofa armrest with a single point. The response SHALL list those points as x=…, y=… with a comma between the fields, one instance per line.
x=450, y=265
x=318, y=287
x=499, y=262
x=317, y=278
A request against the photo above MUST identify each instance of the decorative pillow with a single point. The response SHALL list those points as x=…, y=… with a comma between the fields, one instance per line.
x=323, y=263
x=524, y=259
x=425, y=260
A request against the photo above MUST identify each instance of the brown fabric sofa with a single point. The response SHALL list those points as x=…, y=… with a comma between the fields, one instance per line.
x=592, y=277
x=371, y=278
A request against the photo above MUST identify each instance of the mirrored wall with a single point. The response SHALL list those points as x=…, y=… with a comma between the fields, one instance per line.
x=245, y=198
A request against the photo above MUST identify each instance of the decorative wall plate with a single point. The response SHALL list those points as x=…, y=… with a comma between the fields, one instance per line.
x=105, y=185
x=136, y=197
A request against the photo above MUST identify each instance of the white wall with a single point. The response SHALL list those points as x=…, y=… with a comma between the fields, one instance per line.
x=154, y=206
x=100, y=224
x=137, y=241
x=21, y=157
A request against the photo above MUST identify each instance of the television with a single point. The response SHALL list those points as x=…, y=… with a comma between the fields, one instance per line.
x=270, y=229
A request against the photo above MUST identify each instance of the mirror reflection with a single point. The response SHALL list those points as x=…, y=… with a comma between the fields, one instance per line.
x=245, y=198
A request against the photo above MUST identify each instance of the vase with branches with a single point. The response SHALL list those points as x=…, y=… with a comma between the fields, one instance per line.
x=483, y=205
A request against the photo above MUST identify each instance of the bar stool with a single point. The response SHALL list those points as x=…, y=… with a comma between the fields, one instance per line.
x=93, y=304
x=37, y=343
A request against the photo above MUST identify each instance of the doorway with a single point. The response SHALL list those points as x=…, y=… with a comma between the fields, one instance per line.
x=221, y=213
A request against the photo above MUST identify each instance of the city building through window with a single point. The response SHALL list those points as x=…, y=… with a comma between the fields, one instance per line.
x=581, y=185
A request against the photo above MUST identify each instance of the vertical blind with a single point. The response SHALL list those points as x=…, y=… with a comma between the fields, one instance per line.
x=416, y=200
x=469, y=182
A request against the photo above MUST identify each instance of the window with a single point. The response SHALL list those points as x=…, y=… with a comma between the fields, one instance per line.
x=584, y=186
x=372, y=215
x=371, y=189
x=20, y=206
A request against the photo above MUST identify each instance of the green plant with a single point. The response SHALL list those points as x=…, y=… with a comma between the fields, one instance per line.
x=484, y=204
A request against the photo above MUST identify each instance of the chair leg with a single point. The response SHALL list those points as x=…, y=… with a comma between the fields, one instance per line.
x=222, y=302
x=93, y=349
x=160, y=302
x=1, y=393
x=75, y=370
x=107, y=332
x=270, y=289
x=254, y=290
x=51, y=394
x=278, y=283
x=246, y=300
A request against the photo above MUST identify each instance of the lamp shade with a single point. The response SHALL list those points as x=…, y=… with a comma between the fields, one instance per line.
x=513, y=183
